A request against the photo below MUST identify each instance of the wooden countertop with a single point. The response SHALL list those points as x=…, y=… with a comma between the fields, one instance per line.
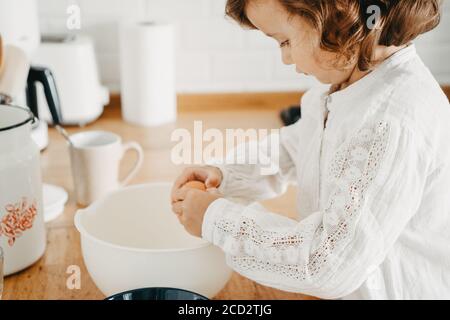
x=47, y=278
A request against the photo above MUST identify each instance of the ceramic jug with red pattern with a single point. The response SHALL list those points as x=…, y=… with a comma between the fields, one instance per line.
x=22, y=228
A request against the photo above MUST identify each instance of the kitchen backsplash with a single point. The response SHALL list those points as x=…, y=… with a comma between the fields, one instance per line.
x=213, y=53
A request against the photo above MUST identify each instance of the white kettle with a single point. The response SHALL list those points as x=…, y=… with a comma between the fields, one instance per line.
x=22, y=228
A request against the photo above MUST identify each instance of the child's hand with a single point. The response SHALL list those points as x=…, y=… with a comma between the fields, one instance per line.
x=209, y=175
x=191, y=206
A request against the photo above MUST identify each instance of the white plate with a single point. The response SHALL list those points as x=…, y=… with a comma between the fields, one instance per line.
x=54, y=200
x=52, y=215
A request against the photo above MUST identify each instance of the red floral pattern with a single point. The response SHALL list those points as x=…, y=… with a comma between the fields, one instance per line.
x=19, y=218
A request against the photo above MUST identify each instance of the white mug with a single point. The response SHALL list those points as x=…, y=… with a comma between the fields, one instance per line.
x=95, y=157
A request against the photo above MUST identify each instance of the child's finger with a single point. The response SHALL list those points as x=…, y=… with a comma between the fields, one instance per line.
x=181, y=180
x=213, y=190
x=177, y=208
x=213, y=181
x=180, y=218
x=189, y=174
x=180, y=194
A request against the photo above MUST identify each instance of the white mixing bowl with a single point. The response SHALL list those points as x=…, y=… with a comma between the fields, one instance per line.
x=131, y=239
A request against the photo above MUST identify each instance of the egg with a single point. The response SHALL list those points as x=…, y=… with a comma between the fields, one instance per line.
x=195, y=185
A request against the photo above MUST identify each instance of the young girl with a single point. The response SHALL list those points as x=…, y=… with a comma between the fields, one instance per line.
x=371, y=156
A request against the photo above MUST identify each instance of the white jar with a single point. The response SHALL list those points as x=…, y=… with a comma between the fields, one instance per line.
x=22, y=228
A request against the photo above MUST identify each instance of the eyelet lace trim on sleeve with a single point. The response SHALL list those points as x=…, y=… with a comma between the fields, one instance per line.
x=263, y=246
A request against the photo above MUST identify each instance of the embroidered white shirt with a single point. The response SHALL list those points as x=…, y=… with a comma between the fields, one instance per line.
x=373, y=193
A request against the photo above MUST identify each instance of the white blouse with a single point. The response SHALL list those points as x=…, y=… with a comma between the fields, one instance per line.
x=373, y=200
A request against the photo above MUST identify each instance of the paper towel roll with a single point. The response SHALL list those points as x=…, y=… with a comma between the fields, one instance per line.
x=13, y=78
x=19, y=24
x=147, y=66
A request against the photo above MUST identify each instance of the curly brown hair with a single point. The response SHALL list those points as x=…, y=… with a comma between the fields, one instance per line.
x=343, y=26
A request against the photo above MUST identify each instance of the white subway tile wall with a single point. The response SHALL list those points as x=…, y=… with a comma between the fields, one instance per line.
x=213, y=53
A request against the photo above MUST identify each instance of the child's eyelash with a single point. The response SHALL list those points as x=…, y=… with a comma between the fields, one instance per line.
x=285, y=43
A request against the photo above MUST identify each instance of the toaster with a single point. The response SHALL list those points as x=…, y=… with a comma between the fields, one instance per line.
x=72, y=61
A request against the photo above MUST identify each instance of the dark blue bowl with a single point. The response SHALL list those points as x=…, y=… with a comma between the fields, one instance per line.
x=157, y=294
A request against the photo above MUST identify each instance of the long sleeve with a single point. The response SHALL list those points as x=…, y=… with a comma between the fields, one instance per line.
x=260, y=169
x=374, y=183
